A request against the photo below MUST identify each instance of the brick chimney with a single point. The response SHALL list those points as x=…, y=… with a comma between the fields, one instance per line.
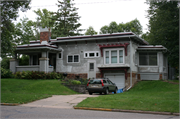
x=45, y=34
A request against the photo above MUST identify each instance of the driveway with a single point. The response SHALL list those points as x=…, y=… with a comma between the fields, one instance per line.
x=60, y=101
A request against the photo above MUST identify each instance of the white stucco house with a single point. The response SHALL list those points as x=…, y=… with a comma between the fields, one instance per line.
x=122, y=57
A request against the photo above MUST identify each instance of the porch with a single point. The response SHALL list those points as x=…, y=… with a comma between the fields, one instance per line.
x=40, y=58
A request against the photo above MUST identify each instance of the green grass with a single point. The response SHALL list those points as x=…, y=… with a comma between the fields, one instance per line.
x=145, y=95
x=23, y=91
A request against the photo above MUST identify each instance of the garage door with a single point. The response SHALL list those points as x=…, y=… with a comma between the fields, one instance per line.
x=118, y=79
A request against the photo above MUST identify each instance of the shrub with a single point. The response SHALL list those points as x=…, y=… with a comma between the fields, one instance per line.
x=6, y=73
x=75, y=82
x=37, y=75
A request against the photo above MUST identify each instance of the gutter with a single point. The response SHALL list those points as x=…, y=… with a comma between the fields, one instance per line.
x=130, y=65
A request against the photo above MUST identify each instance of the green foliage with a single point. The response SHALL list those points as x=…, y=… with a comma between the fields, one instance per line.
x=66, y=20
x=34, y=75
x=24, y=60
x=132, y=26
x=44, y=18
x=24, y=91
x=5, y=63
x=9, y=12
x=6, y=73
x=90, y=31
x=75, y=82
x=24, y=31
x=164, y=28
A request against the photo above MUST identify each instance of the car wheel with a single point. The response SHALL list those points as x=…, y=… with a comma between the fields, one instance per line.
x=107, y=91
x=90, y=93
x=100, y=93
x=115, y=91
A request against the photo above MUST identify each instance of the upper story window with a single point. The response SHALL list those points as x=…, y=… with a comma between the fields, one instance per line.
x=114, y=56
x=148, y=59
x=73, y=58
x=91, y=54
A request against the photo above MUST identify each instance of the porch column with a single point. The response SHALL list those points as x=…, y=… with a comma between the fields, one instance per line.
x=13, y=63
x=44, y=62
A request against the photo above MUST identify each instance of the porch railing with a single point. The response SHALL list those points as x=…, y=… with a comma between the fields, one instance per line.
x=32, y=68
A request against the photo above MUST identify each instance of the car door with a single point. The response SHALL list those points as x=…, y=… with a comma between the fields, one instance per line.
x=113, y=86
x=110, y=86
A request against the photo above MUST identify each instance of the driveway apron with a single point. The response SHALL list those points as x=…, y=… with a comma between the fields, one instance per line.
x=59, y=101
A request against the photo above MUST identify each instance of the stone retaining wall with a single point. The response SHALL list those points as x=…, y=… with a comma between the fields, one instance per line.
x=77, y=88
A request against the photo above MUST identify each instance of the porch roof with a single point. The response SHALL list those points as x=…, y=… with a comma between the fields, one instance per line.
x=151, y=48
x=37, y=47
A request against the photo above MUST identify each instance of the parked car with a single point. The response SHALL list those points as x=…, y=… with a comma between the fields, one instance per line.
x=103, y=85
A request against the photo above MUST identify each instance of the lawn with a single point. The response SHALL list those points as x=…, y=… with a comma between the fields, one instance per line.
x=23, y=91
x=145, y=95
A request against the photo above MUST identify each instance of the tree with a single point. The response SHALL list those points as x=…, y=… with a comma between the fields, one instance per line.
x=164, y=27
x=104, y=30
x=66, y=19
x=25, y=31
x=90, y=31
x=132, y=26
x=9, y=12
x=44, y=18
x=113, y=27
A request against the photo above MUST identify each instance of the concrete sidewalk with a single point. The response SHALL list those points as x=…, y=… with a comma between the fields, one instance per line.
x=59, y=101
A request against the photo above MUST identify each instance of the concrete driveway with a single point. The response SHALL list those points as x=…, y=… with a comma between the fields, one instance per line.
x=60, y=101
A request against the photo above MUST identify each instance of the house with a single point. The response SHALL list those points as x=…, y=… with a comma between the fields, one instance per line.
x=122, y=57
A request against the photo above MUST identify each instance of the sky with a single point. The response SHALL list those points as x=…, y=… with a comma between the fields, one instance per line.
x=97, y=13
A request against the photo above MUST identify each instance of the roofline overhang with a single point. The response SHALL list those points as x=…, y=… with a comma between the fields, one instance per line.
x=96, y=37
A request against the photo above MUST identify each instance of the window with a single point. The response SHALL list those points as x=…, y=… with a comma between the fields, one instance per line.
x=60, y=55
x=91, y=66
x=114, y=56
x=148, y=59
x=91, y=54
x=73, y=58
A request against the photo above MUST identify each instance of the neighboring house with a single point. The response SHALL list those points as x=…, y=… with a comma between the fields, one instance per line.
x=124, y=58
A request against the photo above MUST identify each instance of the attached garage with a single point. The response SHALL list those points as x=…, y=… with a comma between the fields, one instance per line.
x=117, y=78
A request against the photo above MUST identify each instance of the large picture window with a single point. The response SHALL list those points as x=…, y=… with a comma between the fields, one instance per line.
x=73, y=58
x=114, y=56
x=148, y=59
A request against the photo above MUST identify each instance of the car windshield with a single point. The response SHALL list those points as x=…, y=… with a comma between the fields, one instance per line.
x=95, y=81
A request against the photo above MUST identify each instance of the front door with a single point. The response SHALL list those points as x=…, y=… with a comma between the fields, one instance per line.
x=91, y=69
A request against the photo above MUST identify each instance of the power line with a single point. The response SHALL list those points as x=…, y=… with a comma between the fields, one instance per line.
x=84, y=3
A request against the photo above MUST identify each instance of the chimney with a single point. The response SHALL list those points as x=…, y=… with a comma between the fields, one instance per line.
x=45, y=35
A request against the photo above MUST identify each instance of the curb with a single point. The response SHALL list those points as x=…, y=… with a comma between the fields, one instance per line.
x=130, y=111
x=10, y=104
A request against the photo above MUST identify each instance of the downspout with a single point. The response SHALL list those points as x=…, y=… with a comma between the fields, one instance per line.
x=47, y=63
x=130, y=65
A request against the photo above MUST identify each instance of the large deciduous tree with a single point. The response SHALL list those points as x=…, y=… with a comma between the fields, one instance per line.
x=9, y=12
x=25, y=31
x=66, y=19
x=164, y=27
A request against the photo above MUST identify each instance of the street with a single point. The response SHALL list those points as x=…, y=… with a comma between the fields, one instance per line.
x=11, y=112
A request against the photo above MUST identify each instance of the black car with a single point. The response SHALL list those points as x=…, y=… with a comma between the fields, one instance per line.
x=102, y=85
